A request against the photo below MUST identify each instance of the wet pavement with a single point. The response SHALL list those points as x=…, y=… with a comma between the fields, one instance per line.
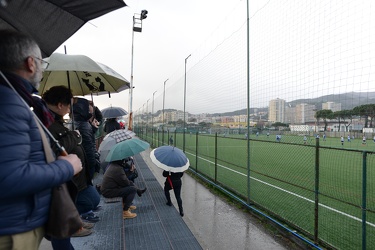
x=215, y=223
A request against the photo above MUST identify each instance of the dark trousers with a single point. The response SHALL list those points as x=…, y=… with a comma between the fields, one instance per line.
x=177, y=192
x=63, y=244
x=127, y=194
x=87, y=199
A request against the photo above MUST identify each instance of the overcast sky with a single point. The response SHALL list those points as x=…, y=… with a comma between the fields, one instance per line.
x=172, y=31
x=298, y=49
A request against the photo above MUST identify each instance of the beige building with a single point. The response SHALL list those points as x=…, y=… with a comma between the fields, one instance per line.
x=332, y=106
x=290, y=115
x=276, y=110
x=305, y=113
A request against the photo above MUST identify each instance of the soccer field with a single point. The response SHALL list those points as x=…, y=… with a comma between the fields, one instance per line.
x=284, y=178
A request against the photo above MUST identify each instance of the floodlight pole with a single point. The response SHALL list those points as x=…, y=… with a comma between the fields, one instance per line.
x=152, y=119
x=143, y=117
x=163, y=112
x=147, y=117
x=183, y=143
x=248, y=101
x=137, y=27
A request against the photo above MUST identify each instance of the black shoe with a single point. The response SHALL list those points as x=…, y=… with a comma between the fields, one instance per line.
x=182, y=213
x=91, y=217
x=98, y=208
x=141, y=191
x=169, y=204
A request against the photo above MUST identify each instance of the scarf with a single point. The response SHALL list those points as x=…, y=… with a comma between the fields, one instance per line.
x=25, y=90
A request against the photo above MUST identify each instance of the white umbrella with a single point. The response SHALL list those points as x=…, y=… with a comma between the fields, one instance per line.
x=82, y=75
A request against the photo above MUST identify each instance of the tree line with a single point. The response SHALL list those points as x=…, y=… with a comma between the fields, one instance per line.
x=346, y=117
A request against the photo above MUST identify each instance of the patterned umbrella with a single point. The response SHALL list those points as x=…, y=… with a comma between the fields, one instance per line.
x=82, y=75
x=111, y=139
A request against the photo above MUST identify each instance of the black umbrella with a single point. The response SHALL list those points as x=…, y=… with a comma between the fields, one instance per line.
x=52, y=22
x=113, y=112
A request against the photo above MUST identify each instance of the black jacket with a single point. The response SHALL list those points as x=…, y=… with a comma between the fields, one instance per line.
x=81, y=122
x=71, y=141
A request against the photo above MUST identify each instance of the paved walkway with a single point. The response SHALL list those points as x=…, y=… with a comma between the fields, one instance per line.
x=209, y=222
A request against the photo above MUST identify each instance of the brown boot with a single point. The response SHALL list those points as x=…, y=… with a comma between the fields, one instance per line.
x=82, y=232
x=126, y=214
x=132, y=207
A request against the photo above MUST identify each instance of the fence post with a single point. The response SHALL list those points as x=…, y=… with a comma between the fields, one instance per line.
x=316, y=215
x=196, y=152
x=175, y=138
x=364, y=197
x=215, y=157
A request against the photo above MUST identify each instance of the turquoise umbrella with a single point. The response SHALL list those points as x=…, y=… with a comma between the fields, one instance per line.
x=126, y=149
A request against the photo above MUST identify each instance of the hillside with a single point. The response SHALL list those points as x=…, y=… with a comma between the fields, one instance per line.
x=347, y=100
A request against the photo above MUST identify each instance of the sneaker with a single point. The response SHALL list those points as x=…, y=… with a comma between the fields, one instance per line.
x=91, y=217
x=88, y=225
x=82, y=232
x=169, y=204
x=132, y=207
x=128, y=215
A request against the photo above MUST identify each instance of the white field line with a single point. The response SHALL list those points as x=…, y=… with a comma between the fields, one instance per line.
x=291, y=193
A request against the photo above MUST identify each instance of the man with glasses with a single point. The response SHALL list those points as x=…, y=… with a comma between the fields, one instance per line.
x=44, y=63
x=26, y=178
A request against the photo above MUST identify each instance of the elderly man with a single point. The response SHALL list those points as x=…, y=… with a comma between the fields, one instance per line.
x=26, y=178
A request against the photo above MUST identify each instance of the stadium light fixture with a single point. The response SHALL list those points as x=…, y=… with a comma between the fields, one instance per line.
x=137, y=27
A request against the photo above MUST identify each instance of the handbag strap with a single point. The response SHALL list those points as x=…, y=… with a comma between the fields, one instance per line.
x=170, y=181
x=46, y=146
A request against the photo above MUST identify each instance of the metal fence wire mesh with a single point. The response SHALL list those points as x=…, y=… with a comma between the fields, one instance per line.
x=311, y=75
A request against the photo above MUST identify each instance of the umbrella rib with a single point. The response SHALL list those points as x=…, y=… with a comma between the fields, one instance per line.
x=105, y=77
x=80, y=83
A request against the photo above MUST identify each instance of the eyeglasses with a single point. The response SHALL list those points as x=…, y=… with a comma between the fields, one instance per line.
x=44, y=63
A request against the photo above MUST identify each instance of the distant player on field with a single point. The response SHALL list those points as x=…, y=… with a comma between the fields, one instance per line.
x=342, y=140
x=364, y=140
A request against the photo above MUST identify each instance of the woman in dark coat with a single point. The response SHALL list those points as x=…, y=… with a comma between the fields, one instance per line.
x=173, y=181
x=82, y=115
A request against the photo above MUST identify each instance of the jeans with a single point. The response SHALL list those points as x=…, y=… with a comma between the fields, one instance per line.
x=87, y=199
x=63, y=244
